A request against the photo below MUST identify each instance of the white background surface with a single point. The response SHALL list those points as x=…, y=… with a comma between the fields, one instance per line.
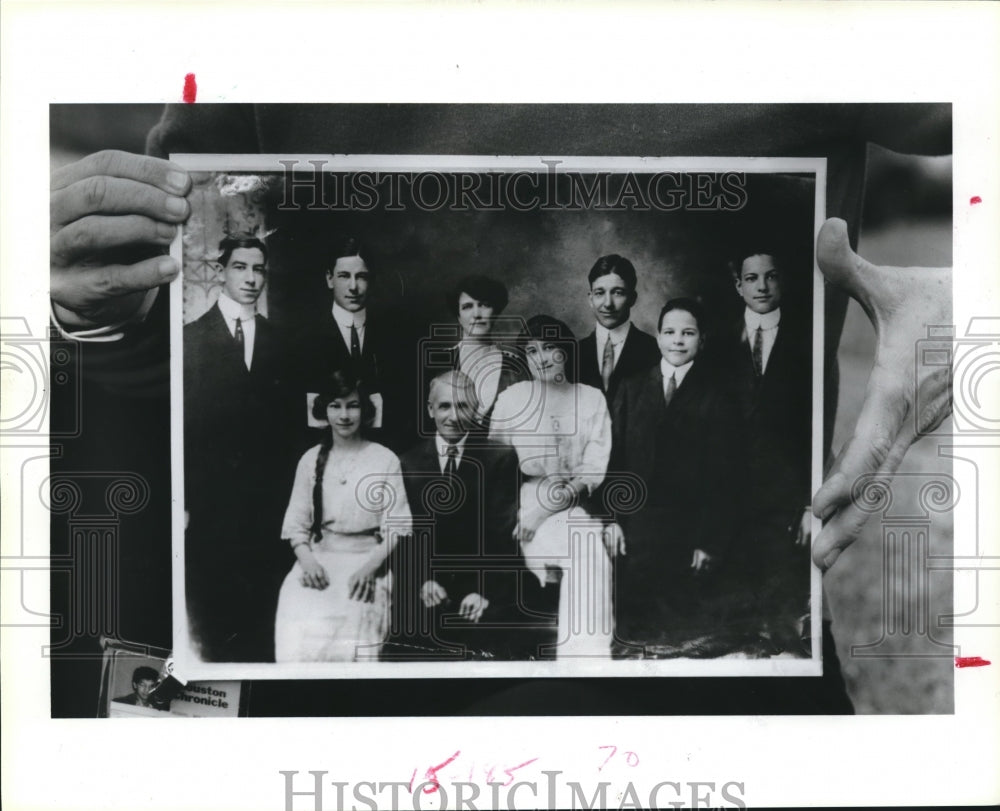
x=117, y=52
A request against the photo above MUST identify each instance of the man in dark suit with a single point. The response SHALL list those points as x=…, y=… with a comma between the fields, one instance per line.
x=616, y=349
x=238, y=463
x=347, y=335
x=770, y=365
x=457, y=581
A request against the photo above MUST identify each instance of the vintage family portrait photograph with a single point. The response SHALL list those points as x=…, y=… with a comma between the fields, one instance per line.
x=499, y=405
x=474, y=411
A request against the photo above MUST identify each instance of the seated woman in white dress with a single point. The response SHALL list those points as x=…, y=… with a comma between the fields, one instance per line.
x=347, y=509
x=561, y=431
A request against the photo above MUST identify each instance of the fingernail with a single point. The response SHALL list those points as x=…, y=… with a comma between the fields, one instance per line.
x=165, y=230
x=176, y=206
x=177, y=180
x=830, y=559
x=167, y=268
x=827, y=511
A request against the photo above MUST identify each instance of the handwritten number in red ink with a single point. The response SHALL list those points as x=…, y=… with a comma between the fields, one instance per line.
x=613, y=749
x=631, y=758
x=489, y=775
x=510, y=772
x=431, y=774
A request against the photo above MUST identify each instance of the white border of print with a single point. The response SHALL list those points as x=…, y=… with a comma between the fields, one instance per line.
x=194, y=667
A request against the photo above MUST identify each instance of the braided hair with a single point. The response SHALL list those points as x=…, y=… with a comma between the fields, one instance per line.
x=316, y=530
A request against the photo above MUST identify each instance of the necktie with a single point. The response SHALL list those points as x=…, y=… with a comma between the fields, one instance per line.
x=669, y=389
x=758, y=352
x=451, y=466
x=355, y=344
x=238, y=332
x=607, y=363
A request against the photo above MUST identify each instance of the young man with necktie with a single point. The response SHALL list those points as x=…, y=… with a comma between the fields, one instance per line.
x=770, y=367
x=237, y=462
x=616, y=348
x=347, y=335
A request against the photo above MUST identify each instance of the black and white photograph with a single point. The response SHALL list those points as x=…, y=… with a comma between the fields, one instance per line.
x=132, y=686
x=499, y=405
x=141, y=684
x=470, y=411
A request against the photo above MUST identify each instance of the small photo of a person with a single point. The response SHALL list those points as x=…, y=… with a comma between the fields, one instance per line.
x=144, y=681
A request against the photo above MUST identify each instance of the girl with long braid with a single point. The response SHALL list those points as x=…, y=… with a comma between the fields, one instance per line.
x=347, y=509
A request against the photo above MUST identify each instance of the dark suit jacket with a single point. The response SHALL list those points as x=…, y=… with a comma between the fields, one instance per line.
x=777, y=415
x=639, y=353
x=465, y=539
x=389, y=364
x=237, y=459
x=688, y=457
x=239, y=465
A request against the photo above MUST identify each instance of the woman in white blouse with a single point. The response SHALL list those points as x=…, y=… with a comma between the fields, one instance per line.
x=347, y=509
x=561, y=431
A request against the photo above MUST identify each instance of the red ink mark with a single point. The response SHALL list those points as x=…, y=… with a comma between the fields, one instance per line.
x=631, y=758
x=613, y=750
x=973, y=201
x=971, y=661
x=412, y=778
x=190, y=89
x=489, y=776
x=510, y=772
x=431, y=774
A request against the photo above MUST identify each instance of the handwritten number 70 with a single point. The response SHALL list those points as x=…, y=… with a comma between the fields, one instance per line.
x=631, y=758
